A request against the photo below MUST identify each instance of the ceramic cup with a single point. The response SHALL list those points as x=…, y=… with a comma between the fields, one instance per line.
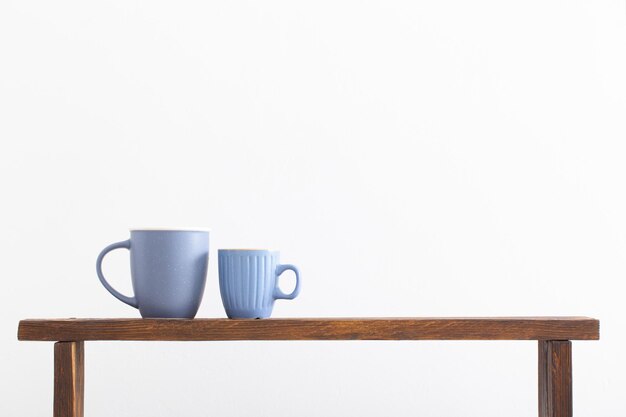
x=249, y=282
x=168, y=271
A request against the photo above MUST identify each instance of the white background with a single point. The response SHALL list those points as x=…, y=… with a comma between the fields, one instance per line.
x=413, y=158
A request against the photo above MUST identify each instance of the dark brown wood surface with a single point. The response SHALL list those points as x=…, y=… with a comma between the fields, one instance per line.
x=69, y=376
x=555, y=378
x=497, y=328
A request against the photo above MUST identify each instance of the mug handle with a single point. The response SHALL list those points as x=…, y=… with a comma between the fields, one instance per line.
x=131, y=301
x=278, y=294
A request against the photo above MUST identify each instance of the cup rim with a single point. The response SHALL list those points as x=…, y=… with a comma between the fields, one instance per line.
x=247, y=250
x=169, y=229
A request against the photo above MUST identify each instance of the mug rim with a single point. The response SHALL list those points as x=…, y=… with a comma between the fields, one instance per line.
x=247, y=250
x=169, y=229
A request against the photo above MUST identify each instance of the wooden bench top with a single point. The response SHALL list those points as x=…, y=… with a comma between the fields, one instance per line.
x=401, y=328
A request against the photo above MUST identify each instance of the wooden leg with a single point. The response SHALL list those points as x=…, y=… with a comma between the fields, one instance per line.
x=69, y=377
x=555, y=378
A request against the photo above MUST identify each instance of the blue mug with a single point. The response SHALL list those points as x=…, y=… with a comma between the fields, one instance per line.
x=249, y=282
x=168, y=271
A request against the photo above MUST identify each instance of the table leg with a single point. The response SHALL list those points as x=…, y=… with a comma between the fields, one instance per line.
x=69, y=377
x=555, y=378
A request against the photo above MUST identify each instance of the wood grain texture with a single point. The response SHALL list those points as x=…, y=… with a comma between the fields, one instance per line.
x=555, y=378
x=69, y=377
x=498, y=328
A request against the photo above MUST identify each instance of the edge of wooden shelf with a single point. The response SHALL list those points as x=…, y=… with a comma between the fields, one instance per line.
x=397, y=328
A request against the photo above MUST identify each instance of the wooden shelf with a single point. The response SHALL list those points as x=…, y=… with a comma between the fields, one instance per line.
x=553, y=333
x=419, y=328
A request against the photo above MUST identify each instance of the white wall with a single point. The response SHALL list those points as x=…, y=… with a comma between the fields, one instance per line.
x=413, y=158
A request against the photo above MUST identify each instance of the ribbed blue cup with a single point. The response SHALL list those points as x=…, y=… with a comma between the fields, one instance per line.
x=249, y=282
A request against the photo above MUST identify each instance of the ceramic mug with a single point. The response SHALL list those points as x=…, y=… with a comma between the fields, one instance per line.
x=249, y=282
x=168, y=271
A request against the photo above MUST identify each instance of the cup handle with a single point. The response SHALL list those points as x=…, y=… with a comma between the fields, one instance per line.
x=131, y=301
x=278, y=294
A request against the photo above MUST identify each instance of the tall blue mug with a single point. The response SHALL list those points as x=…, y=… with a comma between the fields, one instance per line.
x=168, y=271
x=249, y=282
